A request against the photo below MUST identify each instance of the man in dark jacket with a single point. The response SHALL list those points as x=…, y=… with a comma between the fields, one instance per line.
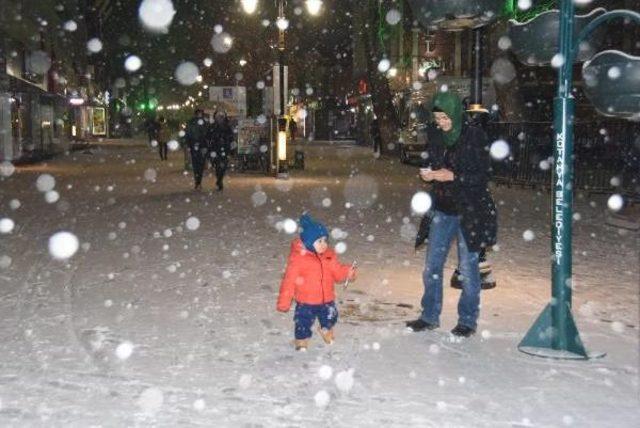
x=196, y=139
x=220, y=138
x=458, y=164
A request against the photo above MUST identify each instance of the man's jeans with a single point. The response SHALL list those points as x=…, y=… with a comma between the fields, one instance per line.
x=442, y=231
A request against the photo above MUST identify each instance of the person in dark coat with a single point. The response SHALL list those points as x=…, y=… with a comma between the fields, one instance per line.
x=293, y=129
x=458, y=165
x=164, y=134
x=153, y=127
x=374, y=132
x=196, y=139
x=220, y=139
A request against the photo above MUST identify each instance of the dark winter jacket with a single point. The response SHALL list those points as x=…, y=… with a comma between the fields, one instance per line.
x=468, y=194
x=196, y=132
x=220, y=137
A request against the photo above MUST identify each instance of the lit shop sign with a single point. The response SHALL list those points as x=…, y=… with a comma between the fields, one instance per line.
x=76, y=101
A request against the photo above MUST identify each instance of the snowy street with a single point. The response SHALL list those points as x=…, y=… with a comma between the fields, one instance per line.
x=166, y=314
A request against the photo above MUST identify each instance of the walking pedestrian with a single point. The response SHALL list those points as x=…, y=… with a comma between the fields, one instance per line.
x=293, y=129
x=220, y=139
x=152, y=128
x=196, y=139
x=164, y=134
x=374, y=132
x=458, y=164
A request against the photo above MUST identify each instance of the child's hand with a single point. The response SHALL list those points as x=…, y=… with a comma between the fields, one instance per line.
x=282, y=308
x=353, y=273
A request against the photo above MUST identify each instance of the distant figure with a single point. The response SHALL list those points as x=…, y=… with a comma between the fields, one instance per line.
x=196, y=139
x=152, y=127
x=293, y=129
x=164, y=134
x=374, y=132
x=312, y=271
x=219, y=140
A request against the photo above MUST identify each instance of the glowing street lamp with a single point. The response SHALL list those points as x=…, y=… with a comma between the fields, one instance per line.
x=243, y=62
x=313, y=6
x=249, y=6
x=282, y=23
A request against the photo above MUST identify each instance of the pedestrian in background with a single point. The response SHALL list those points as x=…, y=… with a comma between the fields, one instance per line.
x=196, y=139
x=164, y=135
x=152, y=127
x=293, y=129
x=374, y=132
x=458, y=164
x=220, y=138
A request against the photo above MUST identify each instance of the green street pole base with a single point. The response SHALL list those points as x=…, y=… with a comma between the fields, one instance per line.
x=543, y=339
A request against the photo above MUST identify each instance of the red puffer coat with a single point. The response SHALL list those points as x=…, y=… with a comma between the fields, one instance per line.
x=310, y=277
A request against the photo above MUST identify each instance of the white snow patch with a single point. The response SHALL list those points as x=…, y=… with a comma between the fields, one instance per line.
x=124, y=350
x=150, y=174
x=199, y=404
x=289, y=226
x=259, y=198
x=325, y=372
x=63, y=245
x=156, y=15
x=5, y=261
x=615, y=202
x=344, y=380
x=221, y=42
x=187, y=73
x=51, y=196
x=557, y=61
x=192, y=223
x=6, y=225
x=70, y=26
x=45, y=182
x=528, y=235
x=500, y=149
x=384, y=65
x=393, y=16
x=245, y=381
x=133, y=63
x=94, y=45
x=7, y=169
x=322, y=398
x=151, y=400
x=421, y=202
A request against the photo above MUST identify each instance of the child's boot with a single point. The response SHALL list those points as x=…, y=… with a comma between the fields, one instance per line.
x=327, y=335
x=302, y=344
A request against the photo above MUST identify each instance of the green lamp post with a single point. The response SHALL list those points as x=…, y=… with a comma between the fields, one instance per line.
x=554, y=334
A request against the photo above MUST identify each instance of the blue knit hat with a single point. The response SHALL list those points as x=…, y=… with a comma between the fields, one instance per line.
x=311, y=231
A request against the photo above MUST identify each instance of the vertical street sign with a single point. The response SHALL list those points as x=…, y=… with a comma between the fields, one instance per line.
x=554, y=334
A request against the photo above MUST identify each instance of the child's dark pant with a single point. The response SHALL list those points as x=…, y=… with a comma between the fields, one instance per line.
x=305, y=315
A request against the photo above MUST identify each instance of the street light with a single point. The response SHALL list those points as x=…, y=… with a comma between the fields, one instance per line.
x=280, y=77
x=313, y=6
x=282, y=23
x=249, y=6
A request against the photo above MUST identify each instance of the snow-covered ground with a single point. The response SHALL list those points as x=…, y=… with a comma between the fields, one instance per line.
x=154, y=324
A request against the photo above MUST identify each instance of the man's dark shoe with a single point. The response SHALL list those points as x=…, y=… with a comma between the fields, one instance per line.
x=462, y=331
x=420, y=325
